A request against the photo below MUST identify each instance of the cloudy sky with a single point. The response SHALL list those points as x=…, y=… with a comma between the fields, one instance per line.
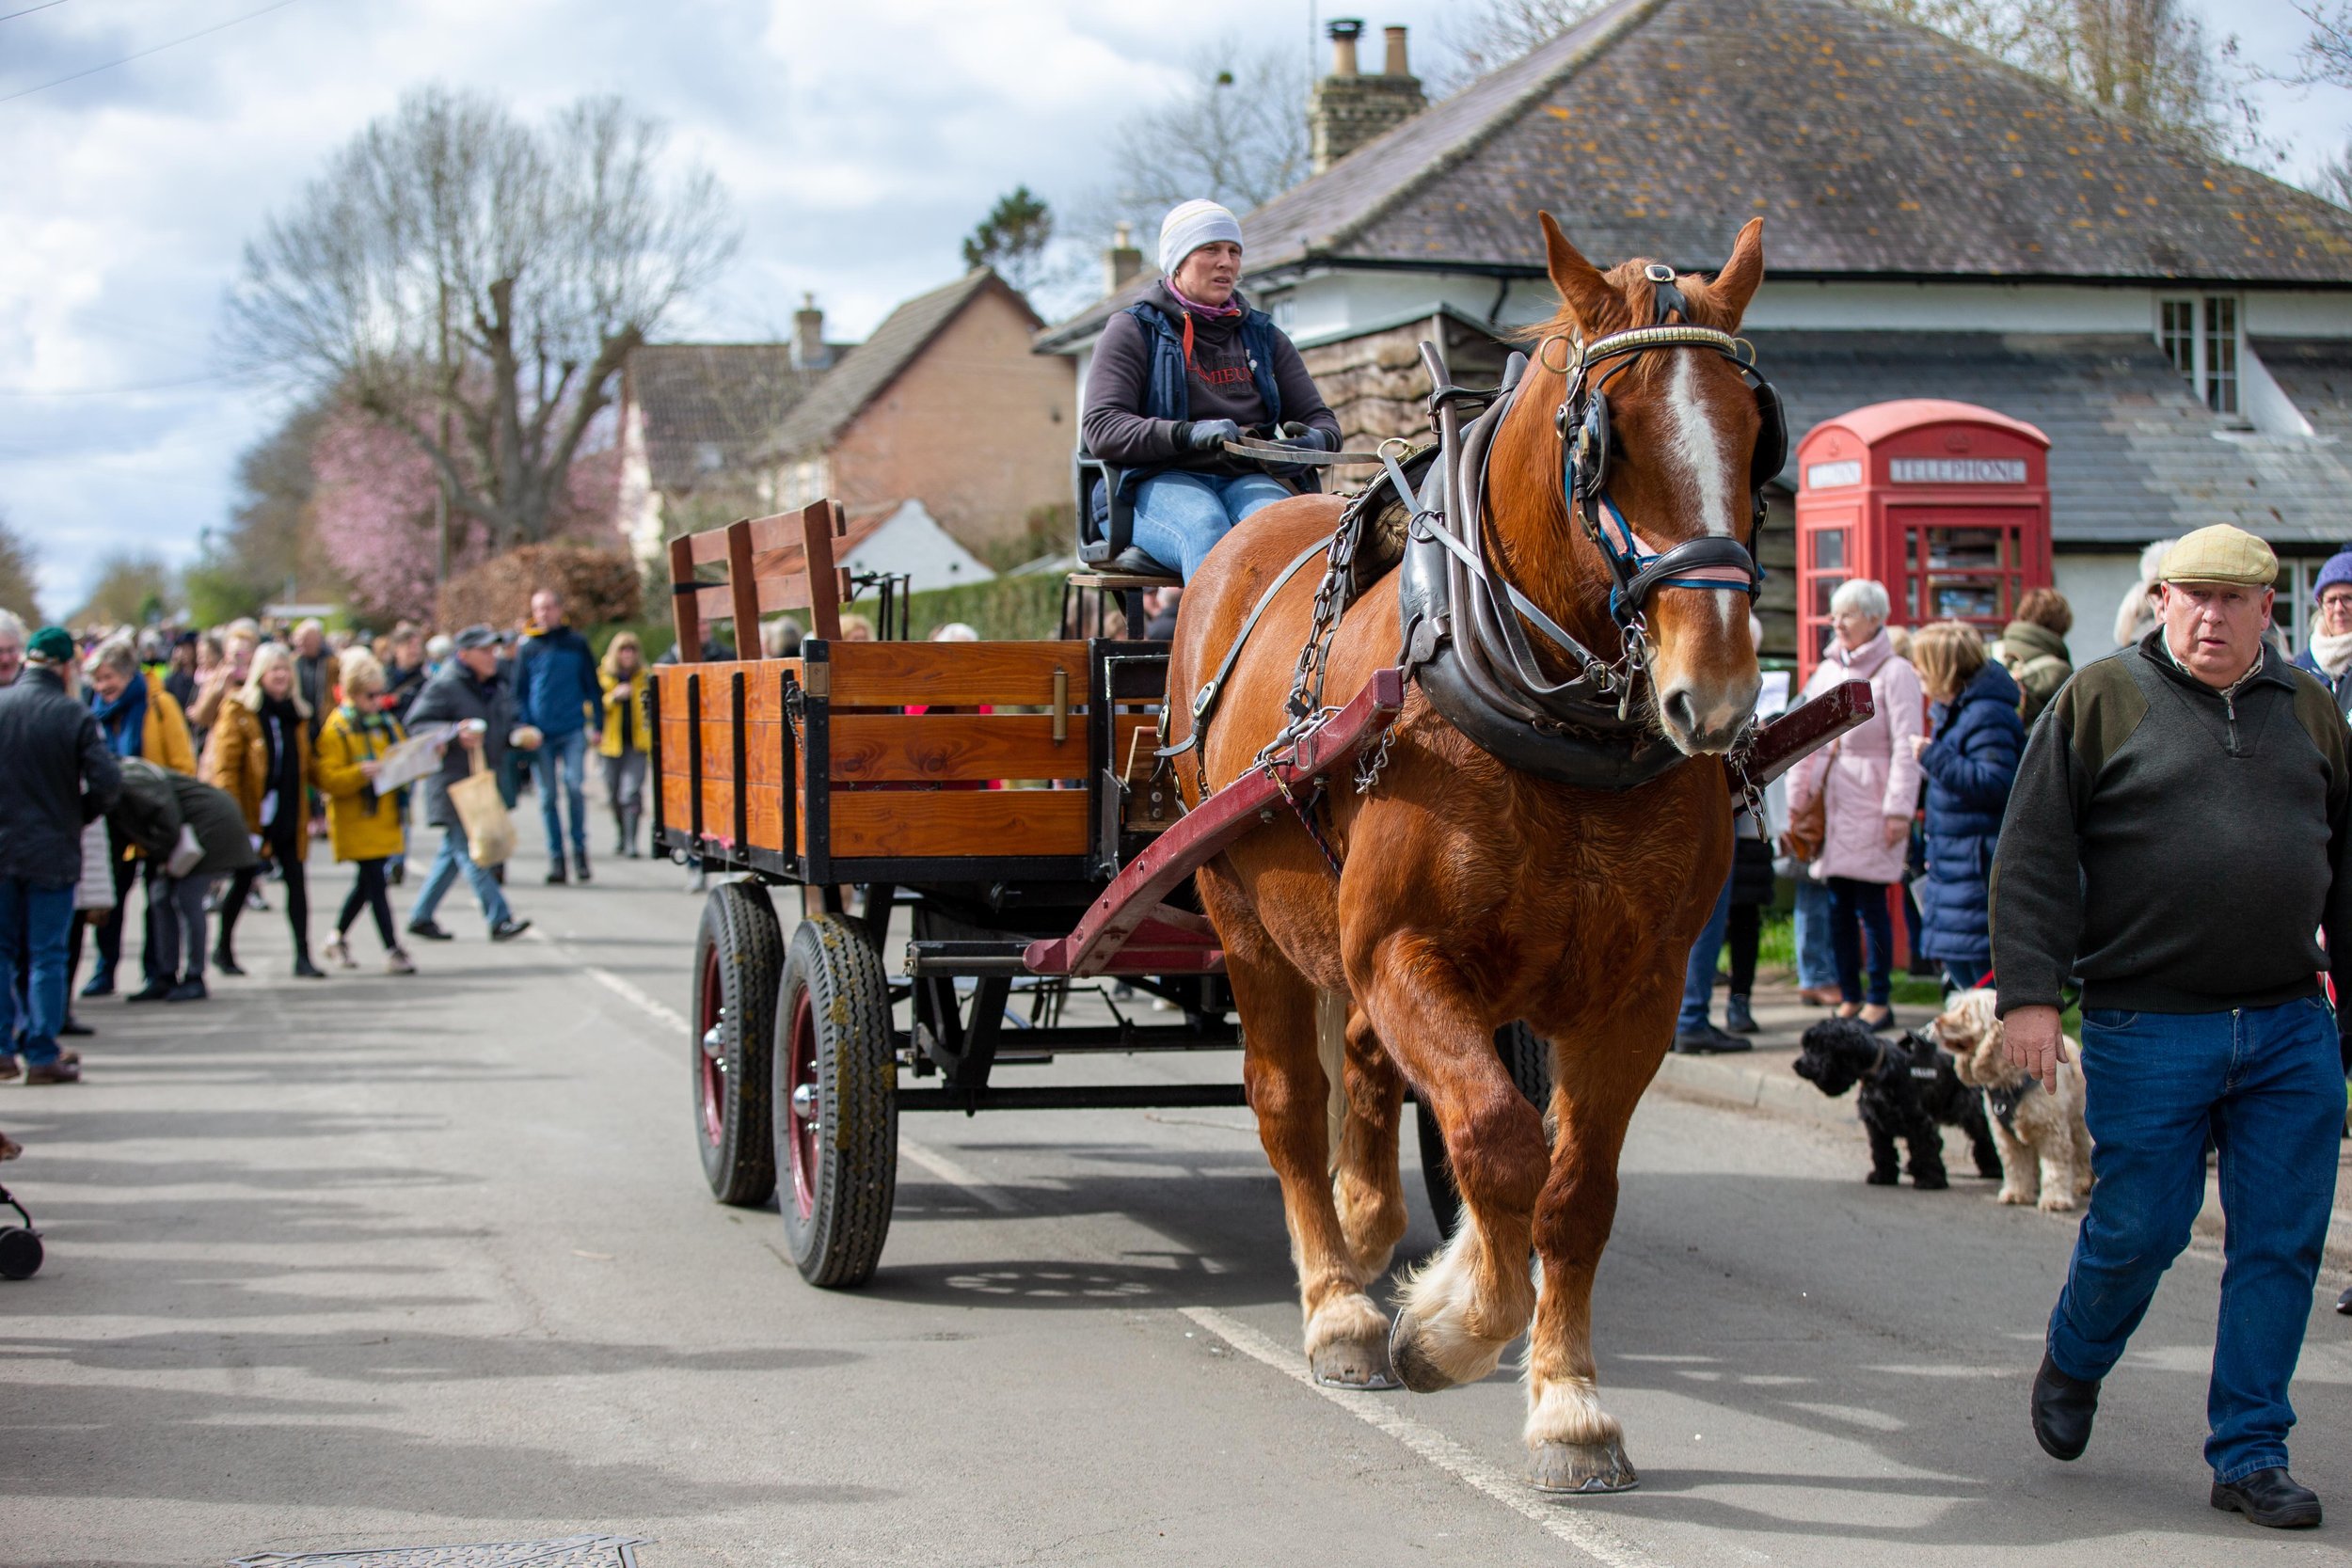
x=861, y=140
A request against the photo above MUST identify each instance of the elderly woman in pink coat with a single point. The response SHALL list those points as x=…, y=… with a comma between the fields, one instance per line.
x=1869, y=783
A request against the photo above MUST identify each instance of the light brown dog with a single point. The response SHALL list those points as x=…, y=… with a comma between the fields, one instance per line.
x=2045, y=1147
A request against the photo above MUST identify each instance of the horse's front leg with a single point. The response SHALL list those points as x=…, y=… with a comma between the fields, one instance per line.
x=1464, y=1307
x=1348, y=1334
x=1573, y=1444
x=1367, y=1186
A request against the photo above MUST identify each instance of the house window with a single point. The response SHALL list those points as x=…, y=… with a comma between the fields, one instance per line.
x=2200, y=337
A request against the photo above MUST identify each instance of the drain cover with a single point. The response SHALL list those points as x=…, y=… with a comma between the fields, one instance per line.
x=573, y=1551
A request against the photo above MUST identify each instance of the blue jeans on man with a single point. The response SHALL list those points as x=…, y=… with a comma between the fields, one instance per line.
x=451, y=860
x=563, y=758
x=1181, y=515
x=2268, y=1083
x=1817, y=956
x=34, y=921
x=1699, y=977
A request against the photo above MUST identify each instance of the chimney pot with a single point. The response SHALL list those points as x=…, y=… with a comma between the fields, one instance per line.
x=808, y=336
x=1122, y=261
x=1344, y=32
x=1395, y=65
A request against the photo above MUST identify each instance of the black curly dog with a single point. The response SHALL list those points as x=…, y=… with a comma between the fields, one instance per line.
x=1908, y=1088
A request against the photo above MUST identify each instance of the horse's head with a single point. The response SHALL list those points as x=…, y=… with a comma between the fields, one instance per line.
x=1687, y=436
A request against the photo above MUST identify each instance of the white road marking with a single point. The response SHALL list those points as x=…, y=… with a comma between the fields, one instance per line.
x=1586, y=1534
x=956, y=1175
x=653, y=1006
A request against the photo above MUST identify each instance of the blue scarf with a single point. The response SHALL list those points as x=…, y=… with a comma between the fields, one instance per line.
x=124, y=719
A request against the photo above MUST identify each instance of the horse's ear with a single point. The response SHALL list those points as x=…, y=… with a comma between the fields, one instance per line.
x=1586, y=294
x=1735, y=284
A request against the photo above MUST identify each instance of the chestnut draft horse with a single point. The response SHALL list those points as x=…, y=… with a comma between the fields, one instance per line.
x=1473, y=894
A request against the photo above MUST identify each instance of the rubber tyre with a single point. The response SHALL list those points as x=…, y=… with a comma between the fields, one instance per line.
x=838, y=1166
x=739, y=962
x=1528, y=1060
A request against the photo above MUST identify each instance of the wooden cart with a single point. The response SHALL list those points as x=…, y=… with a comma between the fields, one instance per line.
x=1005, y=794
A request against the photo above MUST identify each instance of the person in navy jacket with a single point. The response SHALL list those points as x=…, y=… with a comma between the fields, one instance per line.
x=557, y=694
x=1970, y=762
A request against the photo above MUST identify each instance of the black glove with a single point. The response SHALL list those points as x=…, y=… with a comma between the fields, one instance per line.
x=1206, y=435
x=1310, y=437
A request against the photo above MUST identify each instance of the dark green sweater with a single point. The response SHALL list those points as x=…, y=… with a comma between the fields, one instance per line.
x=2177, y=849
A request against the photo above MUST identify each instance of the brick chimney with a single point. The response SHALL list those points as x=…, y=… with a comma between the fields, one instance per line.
x=809, y=352
x=1347, y=108
x=1122, y=262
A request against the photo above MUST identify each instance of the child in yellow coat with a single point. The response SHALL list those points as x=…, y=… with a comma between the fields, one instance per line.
x=364, y=827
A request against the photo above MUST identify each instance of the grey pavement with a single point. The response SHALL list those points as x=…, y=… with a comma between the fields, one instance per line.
x=377, y=1262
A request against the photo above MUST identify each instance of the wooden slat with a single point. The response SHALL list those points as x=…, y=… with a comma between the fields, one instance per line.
x=940, y=748
x=957, y=674
x=676, y=800
x=743, y=589
x=684, y=608
x=820, y=523
x=920, y=823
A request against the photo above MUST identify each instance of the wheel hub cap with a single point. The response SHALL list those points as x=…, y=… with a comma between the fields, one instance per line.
x=804, y=1102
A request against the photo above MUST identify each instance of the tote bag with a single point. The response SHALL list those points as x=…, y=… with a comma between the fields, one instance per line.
x=489, y=832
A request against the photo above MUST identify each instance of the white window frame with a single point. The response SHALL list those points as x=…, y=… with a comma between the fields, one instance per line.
x=2221, y=388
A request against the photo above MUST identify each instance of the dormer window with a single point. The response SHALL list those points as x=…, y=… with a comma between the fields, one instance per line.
x=2200, y=337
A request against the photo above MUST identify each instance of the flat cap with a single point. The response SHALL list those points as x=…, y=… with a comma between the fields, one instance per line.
x=50, y=645
x=2220, y=554
x=477, y=636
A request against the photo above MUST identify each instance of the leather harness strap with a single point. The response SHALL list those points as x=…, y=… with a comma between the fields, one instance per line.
x=1204, y=703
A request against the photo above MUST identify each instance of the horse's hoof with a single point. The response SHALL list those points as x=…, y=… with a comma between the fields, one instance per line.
x=1581, y=1467
x=1413, y=1366
x=1353, y=1364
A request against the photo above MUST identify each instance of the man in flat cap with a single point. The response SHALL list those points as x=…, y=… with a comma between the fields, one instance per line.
x=468, y=692
x=2181, y=828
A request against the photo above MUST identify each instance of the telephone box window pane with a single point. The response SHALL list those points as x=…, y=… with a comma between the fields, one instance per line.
x=1964, y=599
x=1829, y=550
x=1822, y=590
x=1966, y=550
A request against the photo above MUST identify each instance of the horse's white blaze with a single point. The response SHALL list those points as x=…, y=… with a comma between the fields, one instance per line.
x=1698, y=447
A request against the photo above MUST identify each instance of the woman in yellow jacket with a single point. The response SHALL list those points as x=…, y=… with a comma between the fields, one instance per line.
x=624, y=677
x=139, y=718
x=260, y=752
x=363, y=826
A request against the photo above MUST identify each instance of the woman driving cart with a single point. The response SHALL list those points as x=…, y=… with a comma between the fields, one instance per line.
x=1179, y=375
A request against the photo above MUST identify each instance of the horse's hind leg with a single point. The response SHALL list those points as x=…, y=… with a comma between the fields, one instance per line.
x=1367, y=1185
x=1573, y=1444
x=1463, y=1308
x=1346, y=1333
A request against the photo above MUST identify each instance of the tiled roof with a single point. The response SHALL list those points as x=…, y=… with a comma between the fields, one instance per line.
x=2316, y=375
x=874, y=364
x=708, y=407
x=2133, y=454
x=1868, y=146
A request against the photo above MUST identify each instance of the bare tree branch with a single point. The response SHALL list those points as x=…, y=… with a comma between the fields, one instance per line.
x=453, y=261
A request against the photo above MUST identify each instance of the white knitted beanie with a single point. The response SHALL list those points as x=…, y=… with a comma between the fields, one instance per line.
x=1191, y=224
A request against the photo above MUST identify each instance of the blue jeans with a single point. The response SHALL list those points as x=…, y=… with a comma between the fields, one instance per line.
x=2266, y=1082
x=1854, y=908
x=1180, y=516
x=568, y=755
x=1698, y=978
x=451, y=860
x=1817, y=958
x=33, y=920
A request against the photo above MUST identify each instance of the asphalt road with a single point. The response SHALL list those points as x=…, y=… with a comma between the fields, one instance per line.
x=391, y=1262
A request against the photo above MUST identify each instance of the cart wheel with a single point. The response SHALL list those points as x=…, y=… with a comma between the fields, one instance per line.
x=737, y=958
x=20, y=1252
x=1528, y=1060
x=836, y=1075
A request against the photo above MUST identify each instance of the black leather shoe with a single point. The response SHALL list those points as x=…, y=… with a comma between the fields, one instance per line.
x=2062, y=1409
x=507, y=930
x=1136, y=560
x=1707, y=1041
x=74, y=1028
x=556, y=875
x=2344, y=1302
x=226, y=961
x=430, y=930
x=2271, y=1497
x=1738, y=1016
x=154, y=990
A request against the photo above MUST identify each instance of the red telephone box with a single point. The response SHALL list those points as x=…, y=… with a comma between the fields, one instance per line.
x=1946, y=504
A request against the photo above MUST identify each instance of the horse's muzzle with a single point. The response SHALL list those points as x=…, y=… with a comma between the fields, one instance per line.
x=1707, y=718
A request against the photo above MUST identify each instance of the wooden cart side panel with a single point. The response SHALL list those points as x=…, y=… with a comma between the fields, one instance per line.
x=944, y=748
x=763, y=782
x=913, y=824
x=956, y=674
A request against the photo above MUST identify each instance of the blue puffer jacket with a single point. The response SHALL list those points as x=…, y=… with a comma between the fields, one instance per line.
x=1969, y=768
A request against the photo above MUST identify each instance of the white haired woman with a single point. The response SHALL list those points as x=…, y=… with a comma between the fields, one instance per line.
x=1192, y=366
x=260, y=752
x=1868, y=784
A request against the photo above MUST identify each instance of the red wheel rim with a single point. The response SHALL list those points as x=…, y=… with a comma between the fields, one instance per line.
x=800, y=1107
x=712, y=1069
